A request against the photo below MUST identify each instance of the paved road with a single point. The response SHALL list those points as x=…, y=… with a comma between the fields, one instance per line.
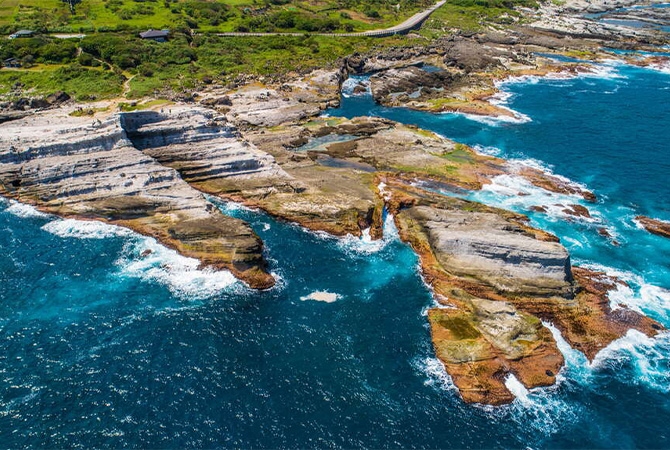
x=410, y=24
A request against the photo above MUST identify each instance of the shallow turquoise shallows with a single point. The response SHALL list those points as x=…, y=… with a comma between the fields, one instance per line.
x=100, y=347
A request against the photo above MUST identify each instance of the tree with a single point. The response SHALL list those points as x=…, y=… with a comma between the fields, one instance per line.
x=72, y=4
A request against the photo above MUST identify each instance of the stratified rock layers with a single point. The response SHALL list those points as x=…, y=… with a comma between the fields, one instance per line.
x=496, y=277
x=92, y=171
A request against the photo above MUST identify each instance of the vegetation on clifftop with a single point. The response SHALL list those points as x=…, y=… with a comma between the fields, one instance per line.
x=111, y=59
x=89, y=16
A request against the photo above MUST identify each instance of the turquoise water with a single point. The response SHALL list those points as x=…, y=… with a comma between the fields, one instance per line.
x=100, y=347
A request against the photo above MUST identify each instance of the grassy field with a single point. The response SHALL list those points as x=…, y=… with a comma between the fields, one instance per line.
x=83, y=83
x=206, y=16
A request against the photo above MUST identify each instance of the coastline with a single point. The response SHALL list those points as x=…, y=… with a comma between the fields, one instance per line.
x=258, y=121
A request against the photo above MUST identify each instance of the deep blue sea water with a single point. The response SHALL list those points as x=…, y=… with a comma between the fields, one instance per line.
x=100, y=347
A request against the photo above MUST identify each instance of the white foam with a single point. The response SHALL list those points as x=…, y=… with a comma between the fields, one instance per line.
x=515, y=118
x=538, y=409
x=487, y=150
x=350, y=83
x=523, y=79
x=322, y=296
x=228, y=206
x=657, y=296
x=517, y=193
x=636, y=294
x=517, y=389
x=179, y=273
x=365, y=244
x=607, y=70
x=520, y=164
x=648, y=357
x=436, y=374
x=82, y=229
x=386, y=195
x=576, y=362
x=24, y=211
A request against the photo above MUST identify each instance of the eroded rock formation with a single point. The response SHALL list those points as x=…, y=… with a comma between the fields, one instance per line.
x=496, y=277
x=91, y=170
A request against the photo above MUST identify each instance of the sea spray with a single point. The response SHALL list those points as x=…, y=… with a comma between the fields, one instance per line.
x=24, y=211
x=85, y=229
x=146, y=259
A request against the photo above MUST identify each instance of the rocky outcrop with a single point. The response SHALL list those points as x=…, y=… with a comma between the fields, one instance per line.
x=457, y=74
x=482, y=342
x=496, y=277
x=90, y=170
x=203, y=147
x=259, y=105
x=501, y=254
x=30, y=103
x=473, y=56
x=655, y=226
x=412, y=82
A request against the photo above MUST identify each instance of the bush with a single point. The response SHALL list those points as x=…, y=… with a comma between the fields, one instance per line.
x=372, y=13
x=85, y=59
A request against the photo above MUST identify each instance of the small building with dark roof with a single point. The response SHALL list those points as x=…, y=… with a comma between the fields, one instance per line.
x=11, y=63
x=22, y=34
x=155, y=35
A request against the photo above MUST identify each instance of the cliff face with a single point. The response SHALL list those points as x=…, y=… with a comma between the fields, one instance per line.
x=71, y=167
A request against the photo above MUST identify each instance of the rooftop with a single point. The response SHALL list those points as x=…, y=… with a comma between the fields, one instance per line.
x=151, y=34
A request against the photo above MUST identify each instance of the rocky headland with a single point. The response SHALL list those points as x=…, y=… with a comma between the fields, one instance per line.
x=495, y=278
x=90, y=169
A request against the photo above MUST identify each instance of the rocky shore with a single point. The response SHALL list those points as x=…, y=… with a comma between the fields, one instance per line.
x=90, y=169
x=495, y=278
x=655, y=226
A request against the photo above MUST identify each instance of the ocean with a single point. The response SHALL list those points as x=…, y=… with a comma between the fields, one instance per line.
x=100, y=347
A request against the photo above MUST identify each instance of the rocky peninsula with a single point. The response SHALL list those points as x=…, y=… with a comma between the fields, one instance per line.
x=495, y=278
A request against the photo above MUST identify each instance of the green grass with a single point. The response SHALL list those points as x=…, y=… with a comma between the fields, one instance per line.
x=98, y=65
x=204, y=15
x=471, y=15
x=134, y=106
x=160, y=69
x=460, y=155
x=446, y=170
x=460, y=327
x=82, y=83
